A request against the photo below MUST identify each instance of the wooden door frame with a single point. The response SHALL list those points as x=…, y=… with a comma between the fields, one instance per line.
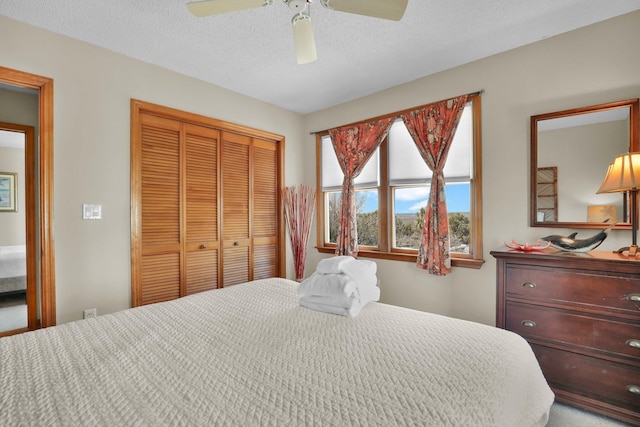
x=44, y=86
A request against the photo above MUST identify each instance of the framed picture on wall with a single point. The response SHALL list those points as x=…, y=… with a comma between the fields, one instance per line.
x=8, y=192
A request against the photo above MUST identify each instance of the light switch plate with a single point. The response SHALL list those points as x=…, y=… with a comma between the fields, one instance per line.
x=91, y=211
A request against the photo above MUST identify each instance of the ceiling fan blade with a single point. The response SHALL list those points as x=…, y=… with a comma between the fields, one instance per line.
x=303, y=39
x=385, y=9
x=216, y=7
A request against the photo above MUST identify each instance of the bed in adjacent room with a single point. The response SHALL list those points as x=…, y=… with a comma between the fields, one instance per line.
x=250, y=355
x=13, y=269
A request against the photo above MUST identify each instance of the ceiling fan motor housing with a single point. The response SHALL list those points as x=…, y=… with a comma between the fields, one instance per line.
x=296, y=5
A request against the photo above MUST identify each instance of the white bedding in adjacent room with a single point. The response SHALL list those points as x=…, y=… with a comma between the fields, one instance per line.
x=13, y=268
x=13, y=261
x=250, y=355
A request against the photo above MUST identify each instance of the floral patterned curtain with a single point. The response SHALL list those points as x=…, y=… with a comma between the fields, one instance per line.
x=432, y=129
x=354, y=146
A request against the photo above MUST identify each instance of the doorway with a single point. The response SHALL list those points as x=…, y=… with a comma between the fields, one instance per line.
x=39, y=256
x=18, y=250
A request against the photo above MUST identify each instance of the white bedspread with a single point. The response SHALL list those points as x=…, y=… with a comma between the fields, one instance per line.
x=13, y=261
x=250, y=355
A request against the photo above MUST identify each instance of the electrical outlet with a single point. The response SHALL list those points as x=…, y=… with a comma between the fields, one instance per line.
x=89, y=313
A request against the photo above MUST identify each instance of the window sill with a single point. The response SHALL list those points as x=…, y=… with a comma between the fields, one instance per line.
x=456, y=261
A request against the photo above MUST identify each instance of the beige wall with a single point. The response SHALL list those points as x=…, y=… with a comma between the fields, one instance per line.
x=16, y=108
x=92, y=91
x=596, y=64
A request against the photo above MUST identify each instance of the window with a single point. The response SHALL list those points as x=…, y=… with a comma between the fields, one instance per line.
x=392, y=193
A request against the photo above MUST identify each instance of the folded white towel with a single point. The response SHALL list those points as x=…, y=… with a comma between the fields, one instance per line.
x=349, y=312
x=361, y=267
x=362, y=297
x=362, y=271
x=344, y=306
x=334, y=265
x=328, y=284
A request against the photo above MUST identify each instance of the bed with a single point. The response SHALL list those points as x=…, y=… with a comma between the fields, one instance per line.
x=249, y=355
x=13, y=269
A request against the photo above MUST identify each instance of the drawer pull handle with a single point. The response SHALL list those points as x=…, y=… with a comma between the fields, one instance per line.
x=633, y=389
x=633, y=343
x=529, y=323
x=203, y=246
x=236, y=243
x=634, y=297
x=528, y=285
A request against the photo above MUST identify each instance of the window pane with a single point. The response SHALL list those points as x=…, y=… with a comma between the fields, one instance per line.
x=366, y=212
x=459, y=208
x=409, y=206
x=332, y=204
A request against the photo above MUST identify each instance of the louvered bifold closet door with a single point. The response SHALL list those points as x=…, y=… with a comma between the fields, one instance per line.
x=160, y=210
x=236, y=251
x=265, y=209
x=201, y=201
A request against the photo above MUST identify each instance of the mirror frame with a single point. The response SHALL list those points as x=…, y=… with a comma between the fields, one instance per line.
x=633, y=105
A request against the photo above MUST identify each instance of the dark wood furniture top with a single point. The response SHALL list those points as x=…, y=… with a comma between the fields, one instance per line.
x=581, y=315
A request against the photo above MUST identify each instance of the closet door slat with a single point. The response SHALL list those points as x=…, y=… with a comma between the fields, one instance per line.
x=160, y=209
x=236, y=252
x=264, y=209
x=201, y=199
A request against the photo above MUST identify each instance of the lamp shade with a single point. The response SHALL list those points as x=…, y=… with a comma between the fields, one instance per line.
x=622, y=175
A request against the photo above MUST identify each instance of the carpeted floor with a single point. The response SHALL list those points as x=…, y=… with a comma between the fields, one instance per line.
x=566, y=416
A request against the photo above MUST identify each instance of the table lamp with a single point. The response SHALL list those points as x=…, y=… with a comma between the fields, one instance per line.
x=624, y=175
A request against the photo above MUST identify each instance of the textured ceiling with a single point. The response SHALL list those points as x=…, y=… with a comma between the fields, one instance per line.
x=252, y=51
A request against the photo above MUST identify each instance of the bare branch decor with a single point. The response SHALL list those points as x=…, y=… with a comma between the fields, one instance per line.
x=299, y=204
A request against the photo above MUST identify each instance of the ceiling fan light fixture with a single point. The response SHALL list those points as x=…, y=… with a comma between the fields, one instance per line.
x=216, y=7
x=303, y=38
x=385, y=9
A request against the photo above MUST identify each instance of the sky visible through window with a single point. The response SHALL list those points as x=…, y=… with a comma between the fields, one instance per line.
x=410, y=200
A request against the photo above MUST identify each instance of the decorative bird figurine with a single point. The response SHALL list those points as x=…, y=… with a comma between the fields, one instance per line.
x=571, y=244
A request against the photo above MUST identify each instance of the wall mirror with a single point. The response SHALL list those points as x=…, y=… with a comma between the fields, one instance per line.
x=570, y=153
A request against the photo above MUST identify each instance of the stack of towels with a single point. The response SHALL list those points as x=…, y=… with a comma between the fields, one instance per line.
x=340, y=285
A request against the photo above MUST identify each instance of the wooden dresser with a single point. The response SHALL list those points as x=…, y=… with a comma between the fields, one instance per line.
x=581, y=315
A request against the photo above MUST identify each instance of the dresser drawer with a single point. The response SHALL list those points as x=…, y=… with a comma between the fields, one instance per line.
x=530, y=321
x=613, y=383
x=575, y=287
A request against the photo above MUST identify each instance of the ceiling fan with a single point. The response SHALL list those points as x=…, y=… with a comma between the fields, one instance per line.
x=301, y=21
